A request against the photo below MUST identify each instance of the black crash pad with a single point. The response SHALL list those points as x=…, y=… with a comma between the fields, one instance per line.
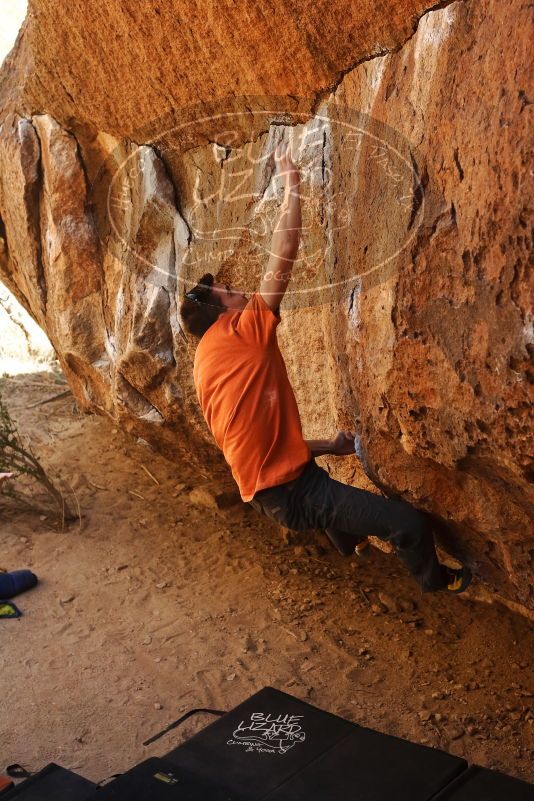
x=160, y=780
x=480, y=784
x=52, y=782
x=369, y=766
x=274, y=746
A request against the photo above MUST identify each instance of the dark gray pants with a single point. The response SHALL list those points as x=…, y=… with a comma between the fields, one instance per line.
x=315, y=500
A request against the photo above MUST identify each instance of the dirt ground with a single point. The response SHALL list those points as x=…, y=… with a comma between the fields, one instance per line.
x=155, y=605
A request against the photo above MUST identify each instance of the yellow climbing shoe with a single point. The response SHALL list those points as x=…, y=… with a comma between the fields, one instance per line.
x=459, y=579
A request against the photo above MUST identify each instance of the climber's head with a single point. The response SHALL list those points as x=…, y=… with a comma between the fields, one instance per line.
x=204, y=303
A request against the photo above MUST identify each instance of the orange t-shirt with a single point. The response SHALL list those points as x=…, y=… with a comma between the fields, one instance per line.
x=246, y=398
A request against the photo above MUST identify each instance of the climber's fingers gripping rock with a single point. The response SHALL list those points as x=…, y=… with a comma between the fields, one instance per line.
x=283, y=160
x=343, y=443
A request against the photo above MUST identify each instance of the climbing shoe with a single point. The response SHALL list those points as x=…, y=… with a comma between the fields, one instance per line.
x=348, y=544
x=343, y=543
x=457, y=579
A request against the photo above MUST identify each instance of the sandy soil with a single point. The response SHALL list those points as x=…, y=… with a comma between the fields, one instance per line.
x=155, y=605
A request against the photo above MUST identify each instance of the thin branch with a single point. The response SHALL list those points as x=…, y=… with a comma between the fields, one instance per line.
x=49, y=400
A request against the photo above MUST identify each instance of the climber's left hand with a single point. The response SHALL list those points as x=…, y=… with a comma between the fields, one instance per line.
x=343, y=443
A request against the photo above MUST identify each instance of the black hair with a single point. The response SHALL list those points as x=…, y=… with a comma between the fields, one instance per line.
x=200, y=308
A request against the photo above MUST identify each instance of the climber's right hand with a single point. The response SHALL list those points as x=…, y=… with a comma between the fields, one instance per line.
x=284, y=163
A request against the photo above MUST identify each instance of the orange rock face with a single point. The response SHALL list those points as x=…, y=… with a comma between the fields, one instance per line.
x=135, y=154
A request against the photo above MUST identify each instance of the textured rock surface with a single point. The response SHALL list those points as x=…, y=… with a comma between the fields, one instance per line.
x=417, y=229
x=120, y=66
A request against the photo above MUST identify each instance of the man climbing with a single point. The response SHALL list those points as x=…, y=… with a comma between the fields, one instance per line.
x=248, y=403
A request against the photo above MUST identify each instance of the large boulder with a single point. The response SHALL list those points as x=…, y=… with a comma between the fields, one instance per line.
x=139, y=155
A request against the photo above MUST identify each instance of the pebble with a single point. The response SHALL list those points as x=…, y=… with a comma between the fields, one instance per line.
x=389, y=602
x=230, y=677
x=472, y=730
x=158, y=706
x=202, y=496
x=248, y=644
x=67, y=599
x=286, y=536
x=162, y=585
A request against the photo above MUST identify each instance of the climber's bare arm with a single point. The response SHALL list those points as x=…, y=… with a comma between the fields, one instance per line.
x=286, y=235
x=340, y=445
x=320, y=447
